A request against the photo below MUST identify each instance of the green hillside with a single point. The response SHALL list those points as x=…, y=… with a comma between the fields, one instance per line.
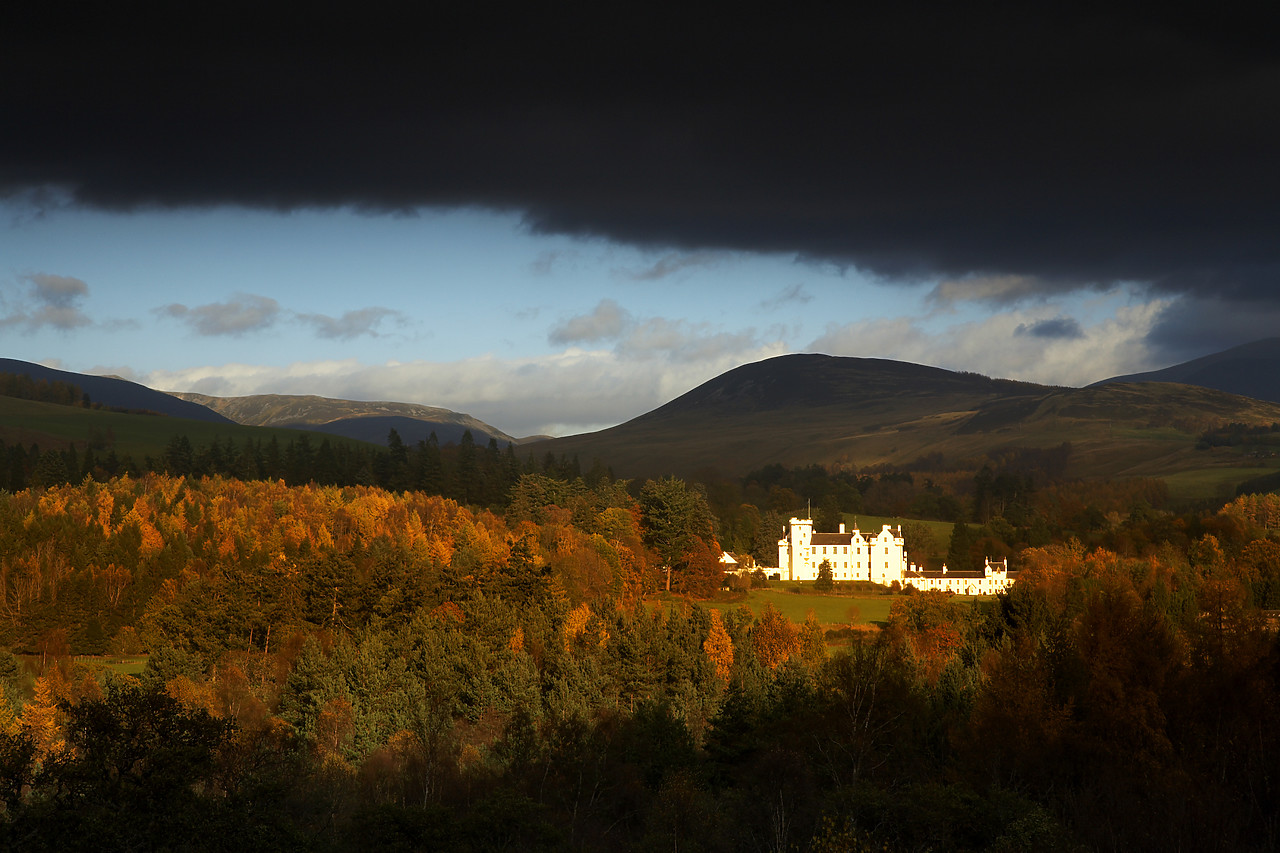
x=28, y=422
x=800, y=410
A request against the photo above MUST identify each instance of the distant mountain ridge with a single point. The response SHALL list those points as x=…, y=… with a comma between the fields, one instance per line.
x=116, y=392
x=365, y=421
x=817, y=409
x=1250, y=370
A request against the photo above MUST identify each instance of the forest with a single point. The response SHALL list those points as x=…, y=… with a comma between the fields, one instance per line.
x=353, y=666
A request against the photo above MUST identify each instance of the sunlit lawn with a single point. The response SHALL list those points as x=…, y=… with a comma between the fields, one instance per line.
x=831, y=610
x=840, y=609
x=132, y=665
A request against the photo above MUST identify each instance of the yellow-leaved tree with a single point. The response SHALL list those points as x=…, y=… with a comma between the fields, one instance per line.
x=774, y=638
x=719, y=647
x=42, y=721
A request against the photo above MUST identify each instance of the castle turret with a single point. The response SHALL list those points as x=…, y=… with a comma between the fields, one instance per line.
x=794, y=549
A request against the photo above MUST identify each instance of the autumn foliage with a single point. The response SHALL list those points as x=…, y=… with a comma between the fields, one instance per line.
x=363, y=668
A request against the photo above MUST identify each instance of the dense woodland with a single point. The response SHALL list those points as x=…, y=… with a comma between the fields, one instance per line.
x=425, y=648
x=344, y=667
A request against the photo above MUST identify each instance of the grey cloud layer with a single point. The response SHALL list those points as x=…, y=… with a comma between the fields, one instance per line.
x=1052, y=328
x=607, y=322
x=640, y=340
x=49, y=301
x=246, y=313
x=352, y=324
x=243, y=313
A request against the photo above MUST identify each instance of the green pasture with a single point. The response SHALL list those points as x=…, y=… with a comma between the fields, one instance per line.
x=1210, y=483
x=831, y=610
x=132, y=665
x=941, y=530
x=127, y=665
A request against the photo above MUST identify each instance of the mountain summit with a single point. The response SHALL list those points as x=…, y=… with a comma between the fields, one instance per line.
x=1250, y=370
x=861, y=412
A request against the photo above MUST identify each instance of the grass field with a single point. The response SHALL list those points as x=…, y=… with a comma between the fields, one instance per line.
x=835, y=610
x=941, y=530
x=133, y=665
x=130, y=665
x=1210, y=483
x=830, y=610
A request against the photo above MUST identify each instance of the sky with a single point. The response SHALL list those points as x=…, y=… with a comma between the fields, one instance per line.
x=558, y=223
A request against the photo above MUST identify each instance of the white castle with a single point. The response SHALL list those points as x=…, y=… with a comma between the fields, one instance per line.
x=879, y=558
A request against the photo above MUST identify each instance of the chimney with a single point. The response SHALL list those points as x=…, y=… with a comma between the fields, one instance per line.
x=842, y=527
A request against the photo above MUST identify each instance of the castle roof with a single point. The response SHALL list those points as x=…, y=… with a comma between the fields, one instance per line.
x=832, y=538
x=931, y=573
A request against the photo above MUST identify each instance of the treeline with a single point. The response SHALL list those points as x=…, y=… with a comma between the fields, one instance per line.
x=465, y=472
x=338, y=669
x=23, y=387
x=1011, y=504
x=1237, y=434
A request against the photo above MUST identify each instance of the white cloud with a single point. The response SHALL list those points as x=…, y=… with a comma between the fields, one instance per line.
x=652, y=338
x=681, y=341
x=606, y=322
x=1000, y=346
x=576, y=390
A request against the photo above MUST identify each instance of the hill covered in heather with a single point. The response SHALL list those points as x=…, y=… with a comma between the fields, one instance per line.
x=819, y=409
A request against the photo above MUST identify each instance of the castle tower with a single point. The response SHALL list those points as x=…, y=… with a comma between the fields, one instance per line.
x=795, y=551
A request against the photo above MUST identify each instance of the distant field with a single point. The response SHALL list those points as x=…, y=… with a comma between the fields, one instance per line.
x=124, y=665
x=131, y=665
x=1210, y=483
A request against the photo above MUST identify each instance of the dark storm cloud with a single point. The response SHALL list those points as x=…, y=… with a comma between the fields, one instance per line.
x=1057, y=328
x=1190, y=328
x=1058, y=149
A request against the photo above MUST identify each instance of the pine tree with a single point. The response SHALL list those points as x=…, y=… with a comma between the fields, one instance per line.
x=824, y=582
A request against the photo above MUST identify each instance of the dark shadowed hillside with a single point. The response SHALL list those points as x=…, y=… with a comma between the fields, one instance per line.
x=376, y=428
x=1251, y=370
x=116, y=393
